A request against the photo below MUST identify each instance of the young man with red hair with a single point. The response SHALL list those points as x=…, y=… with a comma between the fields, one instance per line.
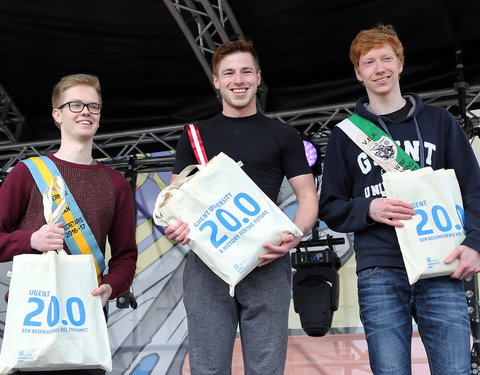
x=351, y=200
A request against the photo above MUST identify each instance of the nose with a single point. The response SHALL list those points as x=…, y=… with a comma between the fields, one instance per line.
x=237, y=77
x=379, y=68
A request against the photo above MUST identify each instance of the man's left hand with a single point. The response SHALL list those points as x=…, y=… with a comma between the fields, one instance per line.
x=289, y=241
x=469, y=262
x=104, y=291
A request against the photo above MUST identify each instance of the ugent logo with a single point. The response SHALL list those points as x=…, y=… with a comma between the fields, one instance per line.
x=432, y=262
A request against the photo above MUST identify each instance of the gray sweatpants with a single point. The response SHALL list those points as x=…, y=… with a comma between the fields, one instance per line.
x=260, y=308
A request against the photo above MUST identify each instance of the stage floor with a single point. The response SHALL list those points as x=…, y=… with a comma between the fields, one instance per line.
x=343, y=351
x=333, y=354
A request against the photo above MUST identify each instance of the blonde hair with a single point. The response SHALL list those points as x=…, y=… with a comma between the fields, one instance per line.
x=73, y=80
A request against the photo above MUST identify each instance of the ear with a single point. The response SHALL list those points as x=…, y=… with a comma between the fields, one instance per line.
x=57, y=115
x=357, y=73
x=259, y=77
x=215, y=82
x=400, y=68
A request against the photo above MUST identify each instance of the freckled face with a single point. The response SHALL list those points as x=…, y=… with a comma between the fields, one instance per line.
x=379, y=70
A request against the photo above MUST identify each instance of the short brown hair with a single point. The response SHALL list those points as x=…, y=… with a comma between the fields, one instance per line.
x=373, y=38
x=229, y=48
x=74, y=80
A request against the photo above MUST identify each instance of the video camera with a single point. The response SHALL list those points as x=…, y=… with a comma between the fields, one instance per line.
x=316, y=284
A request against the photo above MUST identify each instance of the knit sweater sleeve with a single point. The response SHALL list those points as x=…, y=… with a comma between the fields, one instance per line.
x=15, y=194
x=121, y=237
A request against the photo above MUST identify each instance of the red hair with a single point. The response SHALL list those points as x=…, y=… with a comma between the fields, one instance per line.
x=378, y=36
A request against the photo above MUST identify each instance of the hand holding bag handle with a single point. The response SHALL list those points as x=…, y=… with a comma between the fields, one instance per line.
x=61, y=343
x=51, y=217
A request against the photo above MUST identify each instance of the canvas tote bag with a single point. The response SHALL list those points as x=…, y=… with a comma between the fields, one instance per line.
x=438, y=226
x=229, y=216
x=53, y=322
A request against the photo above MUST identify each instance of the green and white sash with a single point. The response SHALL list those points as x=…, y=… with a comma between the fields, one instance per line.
x=377, y=144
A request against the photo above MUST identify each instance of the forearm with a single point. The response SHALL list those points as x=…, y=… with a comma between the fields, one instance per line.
x=120, y=277
x=15, y=243
x=306, y=214
x=123, y=263
x=346, y=216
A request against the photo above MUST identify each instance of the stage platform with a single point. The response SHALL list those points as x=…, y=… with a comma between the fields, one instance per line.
x=333, y=354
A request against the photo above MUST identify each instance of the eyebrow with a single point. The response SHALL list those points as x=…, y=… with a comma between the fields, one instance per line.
x=81, y=101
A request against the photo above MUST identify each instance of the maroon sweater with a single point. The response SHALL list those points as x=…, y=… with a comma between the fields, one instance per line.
x=105, y=199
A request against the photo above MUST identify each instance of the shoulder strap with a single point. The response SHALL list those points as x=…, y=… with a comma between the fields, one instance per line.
x=78, y=235
x=196, y=142
x=377, y=144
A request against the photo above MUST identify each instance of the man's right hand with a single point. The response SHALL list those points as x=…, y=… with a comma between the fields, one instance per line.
x=178, y=232
x=47, y=238
x=388, y=211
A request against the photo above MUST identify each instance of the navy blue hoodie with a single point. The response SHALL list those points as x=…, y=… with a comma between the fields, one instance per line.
x=351, y=180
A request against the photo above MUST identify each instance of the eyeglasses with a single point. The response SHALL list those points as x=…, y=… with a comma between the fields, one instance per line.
x=77, y=107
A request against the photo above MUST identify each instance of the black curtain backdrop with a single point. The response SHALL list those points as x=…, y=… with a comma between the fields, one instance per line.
x=151, y=77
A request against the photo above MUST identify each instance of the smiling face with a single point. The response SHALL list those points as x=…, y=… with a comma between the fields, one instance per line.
x=237, y=79
x=379, y=70
x=82, y=125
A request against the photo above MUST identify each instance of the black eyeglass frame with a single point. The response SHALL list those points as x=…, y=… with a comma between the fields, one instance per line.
x=84, y=105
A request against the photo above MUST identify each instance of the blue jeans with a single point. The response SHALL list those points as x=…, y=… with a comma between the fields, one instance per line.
x=387, y=305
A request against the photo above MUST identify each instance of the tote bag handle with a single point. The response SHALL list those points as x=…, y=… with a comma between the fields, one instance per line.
x=51, y=217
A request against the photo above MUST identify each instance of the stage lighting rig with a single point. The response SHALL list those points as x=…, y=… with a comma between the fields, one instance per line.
x=465, y=122
x=316, y=284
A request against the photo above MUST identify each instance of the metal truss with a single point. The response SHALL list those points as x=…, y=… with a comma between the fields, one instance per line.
x=11, y=120
x=116, y=147
x=314, y=123
x=206, y=24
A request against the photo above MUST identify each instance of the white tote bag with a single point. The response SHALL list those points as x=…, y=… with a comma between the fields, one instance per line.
x=438, y=226
x=53, y=322
x=229, y=216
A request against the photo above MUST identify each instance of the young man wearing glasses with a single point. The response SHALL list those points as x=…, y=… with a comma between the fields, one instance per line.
x=103, y=195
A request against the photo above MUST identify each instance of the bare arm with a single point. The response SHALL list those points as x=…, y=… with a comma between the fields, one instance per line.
x=305, y=216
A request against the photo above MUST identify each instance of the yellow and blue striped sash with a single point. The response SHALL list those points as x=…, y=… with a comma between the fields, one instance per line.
x=78, y=235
